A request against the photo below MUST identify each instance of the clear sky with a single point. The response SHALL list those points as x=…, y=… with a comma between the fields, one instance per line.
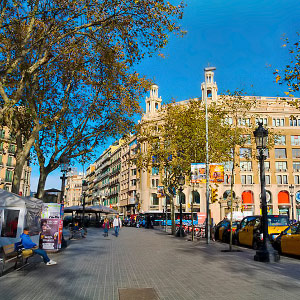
x=241, y=38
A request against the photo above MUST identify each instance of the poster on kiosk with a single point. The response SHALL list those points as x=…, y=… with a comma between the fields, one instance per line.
x=52, y=226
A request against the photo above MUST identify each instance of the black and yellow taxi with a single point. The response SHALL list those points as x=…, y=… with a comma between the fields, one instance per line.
x=250, y=231
x=288, y=242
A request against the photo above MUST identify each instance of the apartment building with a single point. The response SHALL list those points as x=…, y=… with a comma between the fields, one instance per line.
x=128, y=201
x=8, y=162
x=282, y=164
x=73, y=190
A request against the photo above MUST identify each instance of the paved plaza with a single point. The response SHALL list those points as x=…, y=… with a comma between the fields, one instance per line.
x=99, y=268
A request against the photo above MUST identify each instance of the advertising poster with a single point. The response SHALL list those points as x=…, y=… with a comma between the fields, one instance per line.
x=50, y=235
x=51, y=211
x=216, y=173
x=160, y=191
x=198, y=173
x=201, y=217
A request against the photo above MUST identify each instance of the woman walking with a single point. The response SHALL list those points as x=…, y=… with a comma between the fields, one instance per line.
x=106, y=226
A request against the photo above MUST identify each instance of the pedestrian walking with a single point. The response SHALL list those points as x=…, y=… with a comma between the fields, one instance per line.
x=106, y=226
x=117, y=225
x=28, y=244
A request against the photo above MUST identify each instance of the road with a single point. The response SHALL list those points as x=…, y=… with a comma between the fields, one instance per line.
x=101, y=268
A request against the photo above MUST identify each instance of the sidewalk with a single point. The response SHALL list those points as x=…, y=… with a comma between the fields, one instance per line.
x=96, y=267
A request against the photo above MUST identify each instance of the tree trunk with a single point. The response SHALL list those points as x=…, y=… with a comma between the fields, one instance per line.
x=42, y=182
x=173, y=216
x=22, y=153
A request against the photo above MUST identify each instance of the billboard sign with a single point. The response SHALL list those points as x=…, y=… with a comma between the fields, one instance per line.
x=216, y=173
x=198, y=173
x=51, y=234
x=160, y=191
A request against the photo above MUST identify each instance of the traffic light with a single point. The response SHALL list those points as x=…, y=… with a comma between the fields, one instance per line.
x=214, y=195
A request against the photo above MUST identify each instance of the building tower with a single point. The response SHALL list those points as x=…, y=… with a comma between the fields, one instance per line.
x=211, y=87
x=153, y=103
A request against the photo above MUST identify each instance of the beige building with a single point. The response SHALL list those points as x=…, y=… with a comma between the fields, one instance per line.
x=73, y=190
x=8, y=162
x=282, y=164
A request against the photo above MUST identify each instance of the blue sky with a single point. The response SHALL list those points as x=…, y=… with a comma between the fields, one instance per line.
x=241, y=38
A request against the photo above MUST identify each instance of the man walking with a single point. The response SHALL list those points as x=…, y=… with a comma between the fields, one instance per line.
x=117, y=225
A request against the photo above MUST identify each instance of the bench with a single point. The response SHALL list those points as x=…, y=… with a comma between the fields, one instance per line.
x=14, y=253
x=81, y=232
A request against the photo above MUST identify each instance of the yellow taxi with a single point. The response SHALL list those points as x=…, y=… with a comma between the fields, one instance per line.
x=250, y=231
x=288, y=242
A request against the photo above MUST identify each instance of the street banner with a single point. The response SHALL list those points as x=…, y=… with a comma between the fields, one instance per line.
x=51, y=234
x=216, y=173
x=198, y=173
x=160, y=191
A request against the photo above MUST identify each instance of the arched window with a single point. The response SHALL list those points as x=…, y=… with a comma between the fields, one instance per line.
x=196, y=196
x=227, y=194
x=283, y=197
x=247, y=197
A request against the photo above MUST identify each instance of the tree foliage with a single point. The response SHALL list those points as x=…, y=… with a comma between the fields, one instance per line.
x=69, y=65
x=290, y=75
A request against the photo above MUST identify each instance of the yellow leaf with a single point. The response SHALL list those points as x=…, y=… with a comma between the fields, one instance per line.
x=287, y=93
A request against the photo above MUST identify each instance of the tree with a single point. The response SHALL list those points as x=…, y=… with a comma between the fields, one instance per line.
x=56, y=53
x=291, y=73
x=177, y=139
x=236, y=107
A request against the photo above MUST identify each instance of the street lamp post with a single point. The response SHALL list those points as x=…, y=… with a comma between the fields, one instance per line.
x=209, y=69
x=261, y=137
x=291, y=187
x=64, y=169
x=181, y=182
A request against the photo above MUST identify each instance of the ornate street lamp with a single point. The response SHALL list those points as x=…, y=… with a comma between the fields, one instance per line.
x=261, y=138
x=291, y=187
x=64, y=168
x=181, y=181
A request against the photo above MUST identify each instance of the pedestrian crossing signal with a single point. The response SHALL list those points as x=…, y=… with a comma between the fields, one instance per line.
x=214, y=195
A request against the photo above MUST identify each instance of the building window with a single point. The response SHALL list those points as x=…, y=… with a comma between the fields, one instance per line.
x=244, y=122
x=228, y=166
x=278, y=122
x=246, y=166
x=8, y=176
x=280, y=140
x=246, y=138
x=155, y=170
x=133, y=182
x=296, y=153
x=2, y=134
x=280, y=153
x=281, y=166
x=282, y=179
x=294, y=122
x=297, y=179
x=267, y=177
x=154, y=183
x=229, y=121
x=227, y=179
x=262, y=120
x=295, y=140
x=245, y=153
x=296, y=166
x=154, y=199
x=246, y=179
x=267, y=166
x=133, y=172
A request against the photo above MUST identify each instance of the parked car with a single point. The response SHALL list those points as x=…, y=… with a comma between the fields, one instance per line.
x=220, y=227
x=250, y=230
x=226, y=232
x=288, y=241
